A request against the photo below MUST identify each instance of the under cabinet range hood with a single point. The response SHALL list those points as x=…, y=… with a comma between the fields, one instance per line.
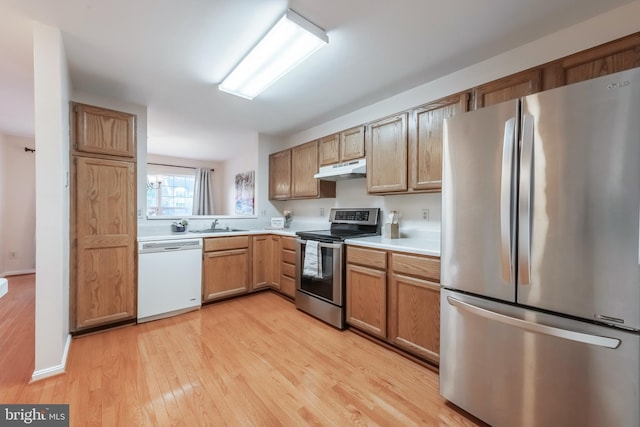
x=346, y=170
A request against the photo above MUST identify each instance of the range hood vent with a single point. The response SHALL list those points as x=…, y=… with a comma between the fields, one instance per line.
x=347, y=170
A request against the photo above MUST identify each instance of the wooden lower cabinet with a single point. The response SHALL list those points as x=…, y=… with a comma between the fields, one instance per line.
x=274, y=261
x=266, y=261
x=399, y=304
x=414, y=315
x=367, y=299
x=226, y=267
x=288, y=267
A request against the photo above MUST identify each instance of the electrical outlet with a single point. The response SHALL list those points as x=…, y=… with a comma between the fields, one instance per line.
x=12, y=254
x=425, y=214
x=321, y=211
x=264, y=212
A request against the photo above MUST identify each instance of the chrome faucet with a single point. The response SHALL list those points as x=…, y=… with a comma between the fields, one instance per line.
x=214, y=224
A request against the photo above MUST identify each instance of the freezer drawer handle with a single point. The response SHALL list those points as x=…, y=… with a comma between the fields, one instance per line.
x=535, y=327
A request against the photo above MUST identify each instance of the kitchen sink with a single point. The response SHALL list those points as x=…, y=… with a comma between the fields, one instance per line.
x=216, y=230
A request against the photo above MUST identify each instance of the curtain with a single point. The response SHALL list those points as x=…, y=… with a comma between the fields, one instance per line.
x=203, y=192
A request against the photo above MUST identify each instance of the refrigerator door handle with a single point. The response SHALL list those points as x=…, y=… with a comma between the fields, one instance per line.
x=525, y=201
x=535, y=327
x=506, y=199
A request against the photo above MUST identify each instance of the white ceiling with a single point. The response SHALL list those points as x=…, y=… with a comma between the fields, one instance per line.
x=169, y=55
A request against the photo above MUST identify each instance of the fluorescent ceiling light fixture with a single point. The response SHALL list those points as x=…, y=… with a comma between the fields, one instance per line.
x=292, y=40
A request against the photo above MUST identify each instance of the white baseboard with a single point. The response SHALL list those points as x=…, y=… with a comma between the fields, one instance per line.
x=4, y=287
x=18, y=272
x=41, y=374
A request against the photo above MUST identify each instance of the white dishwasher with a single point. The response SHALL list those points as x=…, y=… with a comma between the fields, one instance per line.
x=169, y=278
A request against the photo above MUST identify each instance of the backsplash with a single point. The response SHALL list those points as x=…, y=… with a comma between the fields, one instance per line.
x=353, y=193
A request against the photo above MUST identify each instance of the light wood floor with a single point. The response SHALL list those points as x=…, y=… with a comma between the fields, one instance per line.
x=250, y=361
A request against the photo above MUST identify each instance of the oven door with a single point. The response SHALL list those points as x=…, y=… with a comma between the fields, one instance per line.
x=329, y=288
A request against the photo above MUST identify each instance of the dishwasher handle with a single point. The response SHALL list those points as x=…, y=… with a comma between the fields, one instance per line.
x=169, y=246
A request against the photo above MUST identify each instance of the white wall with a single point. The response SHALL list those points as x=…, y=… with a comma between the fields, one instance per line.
x=51, y=89
x=2, y=198
x=244, y=162
x=18, y=218
x=265, y=208
x=600, y=29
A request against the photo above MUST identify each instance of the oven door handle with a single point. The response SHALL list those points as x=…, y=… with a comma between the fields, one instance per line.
x=322, y=244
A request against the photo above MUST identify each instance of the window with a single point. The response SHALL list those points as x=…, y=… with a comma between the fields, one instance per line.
x=169, y=191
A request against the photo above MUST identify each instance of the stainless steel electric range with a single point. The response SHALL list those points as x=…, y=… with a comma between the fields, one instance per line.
x=321, y=262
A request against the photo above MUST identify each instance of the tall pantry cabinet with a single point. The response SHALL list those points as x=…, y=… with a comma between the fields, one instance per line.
x=103, y=217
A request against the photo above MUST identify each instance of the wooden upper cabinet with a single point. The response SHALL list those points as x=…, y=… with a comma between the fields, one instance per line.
x=352, y=144
x=612, y=57
x=104, y=235
x=342, y=147
x=291, y=174
x=329, y=149
x=387, y=150
x=280, y=175
x=101, y=131
x=304, y=165
x=426, y=138
x=507, y=88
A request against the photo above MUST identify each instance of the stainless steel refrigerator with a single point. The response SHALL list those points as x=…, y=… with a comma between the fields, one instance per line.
x=540, y=301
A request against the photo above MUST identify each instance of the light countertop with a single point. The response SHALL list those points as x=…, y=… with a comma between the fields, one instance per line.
x=152, y=235
x=415, y=241
x=423, y=245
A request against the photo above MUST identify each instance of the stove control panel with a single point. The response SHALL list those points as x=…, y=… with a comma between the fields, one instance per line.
x=362, y=216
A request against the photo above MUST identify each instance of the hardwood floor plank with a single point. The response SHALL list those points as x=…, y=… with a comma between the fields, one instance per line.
x=254, y=360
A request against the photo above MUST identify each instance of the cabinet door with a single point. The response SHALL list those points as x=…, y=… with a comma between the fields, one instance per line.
x=507, y=88
x=226, y=273
x=414, y=315
x=104, y=230
x=367, y=299
x=608, y=58
x=352, y=144
x=304, y=164
x=329, y=149
x=387, y=147
x=280, y=175
x=261, y=259
x=101, y=131
x=275, y=260
x=425, y=140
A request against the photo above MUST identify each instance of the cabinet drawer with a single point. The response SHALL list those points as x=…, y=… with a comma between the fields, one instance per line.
x=289, y=256
x=288, y=270
x=224, y=243
x=289, y=243
x=288, y=286
x=368, y=257
x=413, y=265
